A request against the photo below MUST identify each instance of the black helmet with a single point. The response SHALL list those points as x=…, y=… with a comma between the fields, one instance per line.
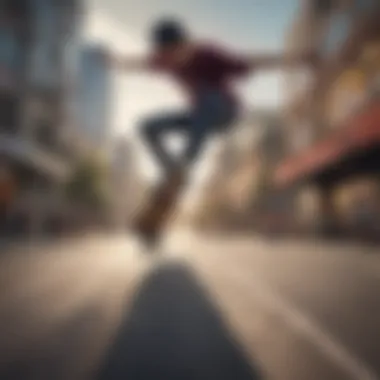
x=168, y=32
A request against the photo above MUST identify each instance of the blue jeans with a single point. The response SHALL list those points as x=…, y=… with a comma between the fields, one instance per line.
x=212, y=113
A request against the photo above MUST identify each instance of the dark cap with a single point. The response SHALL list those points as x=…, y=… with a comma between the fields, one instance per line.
x=168, y=32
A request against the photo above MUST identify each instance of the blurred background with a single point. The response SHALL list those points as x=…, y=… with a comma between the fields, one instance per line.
x=251, y=286
x=303, y=161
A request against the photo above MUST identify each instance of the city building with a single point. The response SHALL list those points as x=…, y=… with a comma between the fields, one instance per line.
x=92, y=102
x=35, y=41
x=334, y=120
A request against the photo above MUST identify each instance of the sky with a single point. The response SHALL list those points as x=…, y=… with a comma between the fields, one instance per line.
x=242, y=25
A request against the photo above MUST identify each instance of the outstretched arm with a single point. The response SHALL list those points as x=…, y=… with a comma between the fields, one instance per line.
x=245, y=64
x=278, y=61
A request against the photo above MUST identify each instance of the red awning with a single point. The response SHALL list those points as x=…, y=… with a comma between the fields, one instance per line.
x=362, y=131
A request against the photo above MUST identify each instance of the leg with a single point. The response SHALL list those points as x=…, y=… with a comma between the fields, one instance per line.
x=153, y=131
x=212, y=113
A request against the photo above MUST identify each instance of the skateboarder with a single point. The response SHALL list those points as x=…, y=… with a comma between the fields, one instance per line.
x=206, y=73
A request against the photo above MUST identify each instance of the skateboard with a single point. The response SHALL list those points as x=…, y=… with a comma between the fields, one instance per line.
x=150, y=221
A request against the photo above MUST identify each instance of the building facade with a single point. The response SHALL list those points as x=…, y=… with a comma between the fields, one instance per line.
x=35, y=37
x=334, y=120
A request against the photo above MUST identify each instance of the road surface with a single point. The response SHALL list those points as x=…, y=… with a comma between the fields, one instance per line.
x=215, y=308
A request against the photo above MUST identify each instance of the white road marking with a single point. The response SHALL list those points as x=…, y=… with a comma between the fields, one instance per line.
x=309, y=328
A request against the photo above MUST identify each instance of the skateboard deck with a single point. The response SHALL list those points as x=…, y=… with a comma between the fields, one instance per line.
x=157, y=210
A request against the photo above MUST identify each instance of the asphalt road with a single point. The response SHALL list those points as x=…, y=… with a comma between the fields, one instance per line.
x=215, y=308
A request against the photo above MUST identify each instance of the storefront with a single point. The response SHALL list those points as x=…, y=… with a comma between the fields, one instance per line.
x=349, y=154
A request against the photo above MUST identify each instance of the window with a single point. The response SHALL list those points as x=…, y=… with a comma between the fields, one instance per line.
x=364, y=5
x=10, y=48
x=45, y=134
x=71, y=58
x=323, y=6
x=8, y=113
x=46, y=52
x=18, y=8
x=337, y=33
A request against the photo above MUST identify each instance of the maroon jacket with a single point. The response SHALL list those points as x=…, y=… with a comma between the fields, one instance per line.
x=210, y=67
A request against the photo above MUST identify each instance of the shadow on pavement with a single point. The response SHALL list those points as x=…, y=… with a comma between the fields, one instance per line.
x=174, y=331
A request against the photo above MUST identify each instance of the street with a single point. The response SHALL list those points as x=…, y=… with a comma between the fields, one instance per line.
x=206, y=308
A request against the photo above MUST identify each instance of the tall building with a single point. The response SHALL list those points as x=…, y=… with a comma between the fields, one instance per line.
x=93, y=100
x=35, y=41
